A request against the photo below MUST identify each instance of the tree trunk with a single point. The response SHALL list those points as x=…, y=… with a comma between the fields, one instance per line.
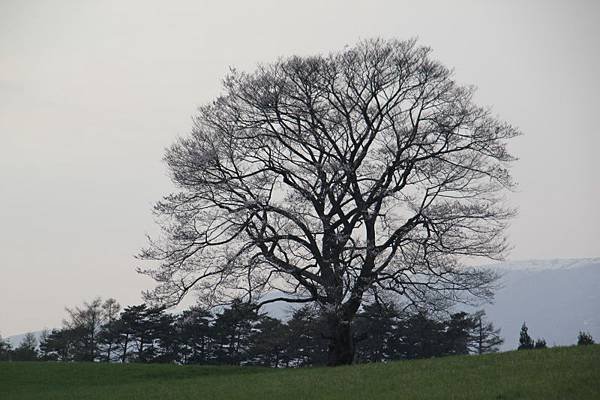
x=141, y=349
x=480, y=338
x=126, y=343
x=341, y=343
x=109, y=351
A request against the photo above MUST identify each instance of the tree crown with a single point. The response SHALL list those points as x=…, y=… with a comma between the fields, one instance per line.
x=328, y=178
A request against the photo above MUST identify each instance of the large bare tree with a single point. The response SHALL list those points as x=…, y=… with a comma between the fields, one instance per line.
x=329, y=179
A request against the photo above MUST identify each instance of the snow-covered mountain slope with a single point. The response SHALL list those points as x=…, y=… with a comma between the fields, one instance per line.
x=556, y=298
x=16, y=340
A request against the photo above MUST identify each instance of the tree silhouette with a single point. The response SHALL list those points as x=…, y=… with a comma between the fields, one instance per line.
x=330, y=177
x=584, y=338
x=232, y=330
x=5, y=349
x=376, y=330
x=27, y=349
x=525, y=341
x=194, y=327
x=269, y=342
x=307, y=344
x=485, y=338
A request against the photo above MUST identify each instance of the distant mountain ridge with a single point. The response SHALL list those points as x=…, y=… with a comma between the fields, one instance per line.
x=555, y=298
x=536, y=265
x=16, y=340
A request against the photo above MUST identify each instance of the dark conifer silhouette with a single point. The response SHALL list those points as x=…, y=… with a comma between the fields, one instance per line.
x=525, y=341
x=485, y=337
x=584, y=338
x=5, y=350
x=27, y=349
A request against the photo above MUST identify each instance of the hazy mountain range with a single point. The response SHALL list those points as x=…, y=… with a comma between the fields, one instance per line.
x=556, y=298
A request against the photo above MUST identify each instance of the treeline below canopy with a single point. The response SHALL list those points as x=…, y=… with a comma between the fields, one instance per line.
x=241, y=336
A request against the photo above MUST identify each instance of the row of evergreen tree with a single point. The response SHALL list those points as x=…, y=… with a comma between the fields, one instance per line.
x=100, y=331
x=526, y=342
x=239, y=335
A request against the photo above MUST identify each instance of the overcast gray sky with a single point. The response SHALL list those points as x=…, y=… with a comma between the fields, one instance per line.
x=91, y=92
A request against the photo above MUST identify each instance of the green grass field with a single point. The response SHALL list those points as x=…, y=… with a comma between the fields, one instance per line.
x=559, y=373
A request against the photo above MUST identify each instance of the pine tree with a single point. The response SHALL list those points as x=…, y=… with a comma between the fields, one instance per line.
x=268, y=343
x=459, y=329
x=5, y=350
x=484, y=337
x=232, y=329
x=61, y=345
x=375, y=330
x=109, y=339
x=421, y=336
x=307, y=343
x=584, y=338
x=167, y=339
x=27, y=350
x=145, y=332
x=44, y=354
x=525, y=341
x=194, y=327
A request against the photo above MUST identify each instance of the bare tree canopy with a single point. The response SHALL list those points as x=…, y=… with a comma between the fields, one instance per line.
x=332, y=178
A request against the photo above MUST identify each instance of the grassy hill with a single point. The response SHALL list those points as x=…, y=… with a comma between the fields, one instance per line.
x=559, y=373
